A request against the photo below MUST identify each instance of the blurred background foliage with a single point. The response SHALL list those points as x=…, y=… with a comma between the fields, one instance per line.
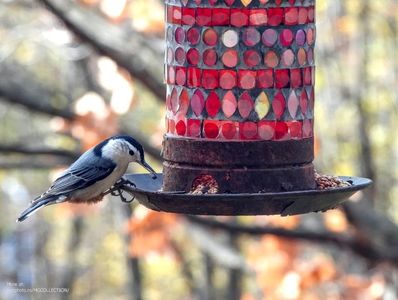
x=75, y=72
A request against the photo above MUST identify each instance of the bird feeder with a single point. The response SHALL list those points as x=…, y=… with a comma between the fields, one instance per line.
x=240, y=78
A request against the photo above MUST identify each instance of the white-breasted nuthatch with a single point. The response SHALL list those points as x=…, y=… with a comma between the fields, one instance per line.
x=92, y=174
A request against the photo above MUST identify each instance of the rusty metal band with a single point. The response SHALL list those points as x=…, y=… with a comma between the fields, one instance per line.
x=235, y=154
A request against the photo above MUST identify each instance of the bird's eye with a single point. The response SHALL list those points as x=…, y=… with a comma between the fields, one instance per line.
x=131, y=152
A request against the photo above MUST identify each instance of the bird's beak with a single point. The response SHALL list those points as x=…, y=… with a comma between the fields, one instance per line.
x=149, y=168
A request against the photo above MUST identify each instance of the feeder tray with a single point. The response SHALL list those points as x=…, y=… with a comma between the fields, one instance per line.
x=148, y=192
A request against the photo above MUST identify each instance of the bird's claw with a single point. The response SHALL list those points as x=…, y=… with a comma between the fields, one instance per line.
x=118, y=192
x=122, y=181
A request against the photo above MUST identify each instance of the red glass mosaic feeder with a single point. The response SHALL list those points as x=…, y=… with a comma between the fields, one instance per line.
x=240, y=110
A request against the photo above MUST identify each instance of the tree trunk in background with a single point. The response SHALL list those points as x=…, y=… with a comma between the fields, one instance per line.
x=135, y=275
x=361, y=92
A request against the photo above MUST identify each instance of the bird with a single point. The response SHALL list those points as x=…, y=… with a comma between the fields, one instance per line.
x=93, y=174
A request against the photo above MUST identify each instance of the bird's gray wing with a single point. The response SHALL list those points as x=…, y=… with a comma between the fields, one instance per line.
x=87, y=170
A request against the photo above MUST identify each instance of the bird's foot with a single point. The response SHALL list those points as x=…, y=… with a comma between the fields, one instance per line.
x=122, y=181
x=117, y=191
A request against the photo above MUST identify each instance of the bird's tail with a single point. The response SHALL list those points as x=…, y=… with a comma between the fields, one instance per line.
x=36, y=204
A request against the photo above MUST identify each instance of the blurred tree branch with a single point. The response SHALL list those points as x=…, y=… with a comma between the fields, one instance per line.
x=18, y=149
x=21, y=88
x=28, y=163
x=129, y=49
x=374, y=248
x=18, y=86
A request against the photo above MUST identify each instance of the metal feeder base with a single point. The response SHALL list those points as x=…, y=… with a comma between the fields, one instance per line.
x=148, y=192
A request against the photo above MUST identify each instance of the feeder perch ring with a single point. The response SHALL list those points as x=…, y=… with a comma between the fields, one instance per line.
x=148, y=192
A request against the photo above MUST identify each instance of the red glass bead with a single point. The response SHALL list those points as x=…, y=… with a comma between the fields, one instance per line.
x=311, y=14
x=188, y=16
x=170, y=55
x=282, y=78
x=295, y=129
x=168, y=102
x=203, y=16
x=266, y=130
x=291, y=15
x=210, y=37
x=193, y=35
x=193, y=56
x=212, y=2
x=229, y=104
x=307, y=128
x=265, y=78
x=295, y=78
x=193, y=128
x=303, y=16
x=258, y=17
x=169, y=14
x=197, y=102
x=181, y=75
x=184, y=102
x=279, y=105
x=239, y=17
x=227, y=79
x=300, y=37
x=287, y=58
x=310, y=56
x=245, y=105
x=176, y=15
x=293, y=104
x=193, y=78
x=307, y=75
x=286, y=37
x=171, y=126
x=271, y=59
x=275, y=16
x=248, y=130
x=230, y=58
x=211, y=129
x=247, y=79
x=229, y=130
x=179, y=35
x=229, y=2
x=210, y=79
x=251, y=58
x=210, y=57
x=304, y=102
x=220, y=17
x=250, y=36
x=269, y=37
x=281, y=131
x=171, y=75
x=181, y=128
x=180, y=56
x=174, y=101
x=302, y=57
x=310, y=36
x=230, y=38
x=213, y=104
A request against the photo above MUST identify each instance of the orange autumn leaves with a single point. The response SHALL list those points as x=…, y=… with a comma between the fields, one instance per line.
x=151, y=233
x=283, y=268
x=144, y=15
